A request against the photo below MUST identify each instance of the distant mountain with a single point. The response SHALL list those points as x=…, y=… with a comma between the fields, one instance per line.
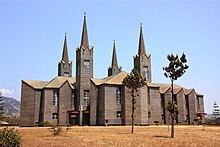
x=11, y=106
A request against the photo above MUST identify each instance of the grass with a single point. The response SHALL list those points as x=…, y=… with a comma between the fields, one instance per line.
x=120, y=136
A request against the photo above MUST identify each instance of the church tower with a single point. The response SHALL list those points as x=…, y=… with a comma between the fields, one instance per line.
x=114, y=68
x=84, y=72
x=65, y=66
x=142, y=61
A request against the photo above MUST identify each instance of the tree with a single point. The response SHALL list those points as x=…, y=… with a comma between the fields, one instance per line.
x=1, y=106
x=215, y=110
x=175, y=69
x=133, y=82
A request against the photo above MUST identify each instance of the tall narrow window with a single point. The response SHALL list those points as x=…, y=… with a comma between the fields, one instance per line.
x=86, y=98
x=198, y=103
x=72, y=101
x=86, y=67
x=118, y=95
x=55, y=97
x=148, y=96
x=145, y=73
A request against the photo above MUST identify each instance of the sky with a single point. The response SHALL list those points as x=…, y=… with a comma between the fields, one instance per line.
x=32, y=35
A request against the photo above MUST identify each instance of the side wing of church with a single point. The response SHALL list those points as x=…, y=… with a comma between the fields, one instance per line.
x=84, y=100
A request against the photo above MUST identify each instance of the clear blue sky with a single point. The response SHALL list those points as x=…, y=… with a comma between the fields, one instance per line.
x=32, y=34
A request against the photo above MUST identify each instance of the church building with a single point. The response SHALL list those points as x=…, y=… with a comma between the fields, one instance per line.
x=85, y=100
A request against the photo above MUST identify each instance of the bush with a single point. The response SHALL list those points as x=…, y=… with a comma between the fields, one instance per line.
x=9, y=137
x=56, y=130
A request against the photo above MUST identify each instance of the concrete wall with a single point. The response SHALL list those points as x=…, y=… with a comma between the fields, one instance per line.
x=155, y=107
x=192, y=106
x=111, y=107
x=27, y=113
x=181, y=106
x=65, y=97
x=48, y=106
x=93, y=103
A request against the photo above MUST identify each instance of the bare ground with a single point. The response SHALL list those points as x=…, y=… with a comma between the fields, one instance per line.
x=120, y=136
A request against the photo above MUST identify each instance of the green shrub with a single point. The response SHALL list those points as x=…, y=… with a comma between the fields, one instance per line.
x=56, y=130
x=9, y=137
x=46, y=124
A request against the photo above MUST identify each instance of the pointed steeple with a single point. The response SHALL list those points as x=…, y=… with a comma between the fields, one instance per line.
x=65, y=51
x=114, y=56
x=141, y=47
x=65, y=66
x=84, y=40
x=114, y=68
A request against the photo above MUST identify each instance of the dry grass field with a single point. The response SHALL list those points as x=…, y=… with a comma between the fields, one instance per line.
x=101, y=136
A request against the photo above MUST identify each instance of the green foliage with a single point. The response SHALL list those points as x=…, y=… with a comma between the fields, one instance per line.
x=176, y=68
x=9, y=137
x=216, y=110
x=13, y=121
x=46, y=124
x=172, y=107
x=56, y=130
x=133, y=82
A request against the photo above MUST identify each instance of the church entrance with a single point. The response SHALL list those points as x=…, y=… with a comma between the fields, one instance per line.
x=73, y=116
x=86, y=118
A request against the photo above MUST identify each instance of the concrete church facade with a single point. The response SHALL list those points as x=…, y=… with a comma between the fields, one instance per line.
x=85, y=100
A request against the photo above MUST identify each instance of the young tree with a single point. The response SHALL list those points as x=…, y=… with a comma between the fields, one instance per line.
x=1, y=106
x=175, y=69
x=133, y=82
x=215, y=110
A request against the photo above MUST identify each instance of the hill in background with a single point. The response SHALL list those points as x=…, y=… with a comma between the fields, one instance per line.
x=11, y=107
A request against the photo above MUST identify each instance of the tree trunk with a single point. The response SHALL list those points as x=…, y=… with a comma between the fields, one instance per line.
x=172, y=114
x=132, y=111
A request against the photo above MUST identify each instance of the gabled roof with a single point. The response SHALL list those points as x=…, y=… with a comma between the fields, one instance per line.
x=165, y=87
x=188, y=91
x=115, y=79
x=152, y=85
x=36, y=84
x=57, y=82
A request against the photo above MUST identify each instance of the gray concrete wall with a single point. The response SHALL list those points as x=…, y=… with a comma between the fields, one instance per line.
x=27, y=114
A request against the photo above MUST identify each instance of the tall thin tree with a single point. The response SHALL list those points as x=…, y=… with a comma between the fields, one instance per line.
x=1, y=106
x=133, y=82
x=215, y=110
x=175, y=69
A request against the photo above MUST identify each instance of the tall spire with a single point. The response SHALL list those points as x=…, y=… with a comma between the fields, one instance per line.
x=114, y=68
x=141, y=48
x=65, y=51
x=84, y=40
x=114, y=56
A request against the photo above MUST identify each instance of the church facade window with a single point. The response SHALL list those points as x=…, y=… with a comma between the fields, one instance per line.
x=86, y=67
x=118, y=95
x=55, y=97
x=86, y=98
x=145, y=72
